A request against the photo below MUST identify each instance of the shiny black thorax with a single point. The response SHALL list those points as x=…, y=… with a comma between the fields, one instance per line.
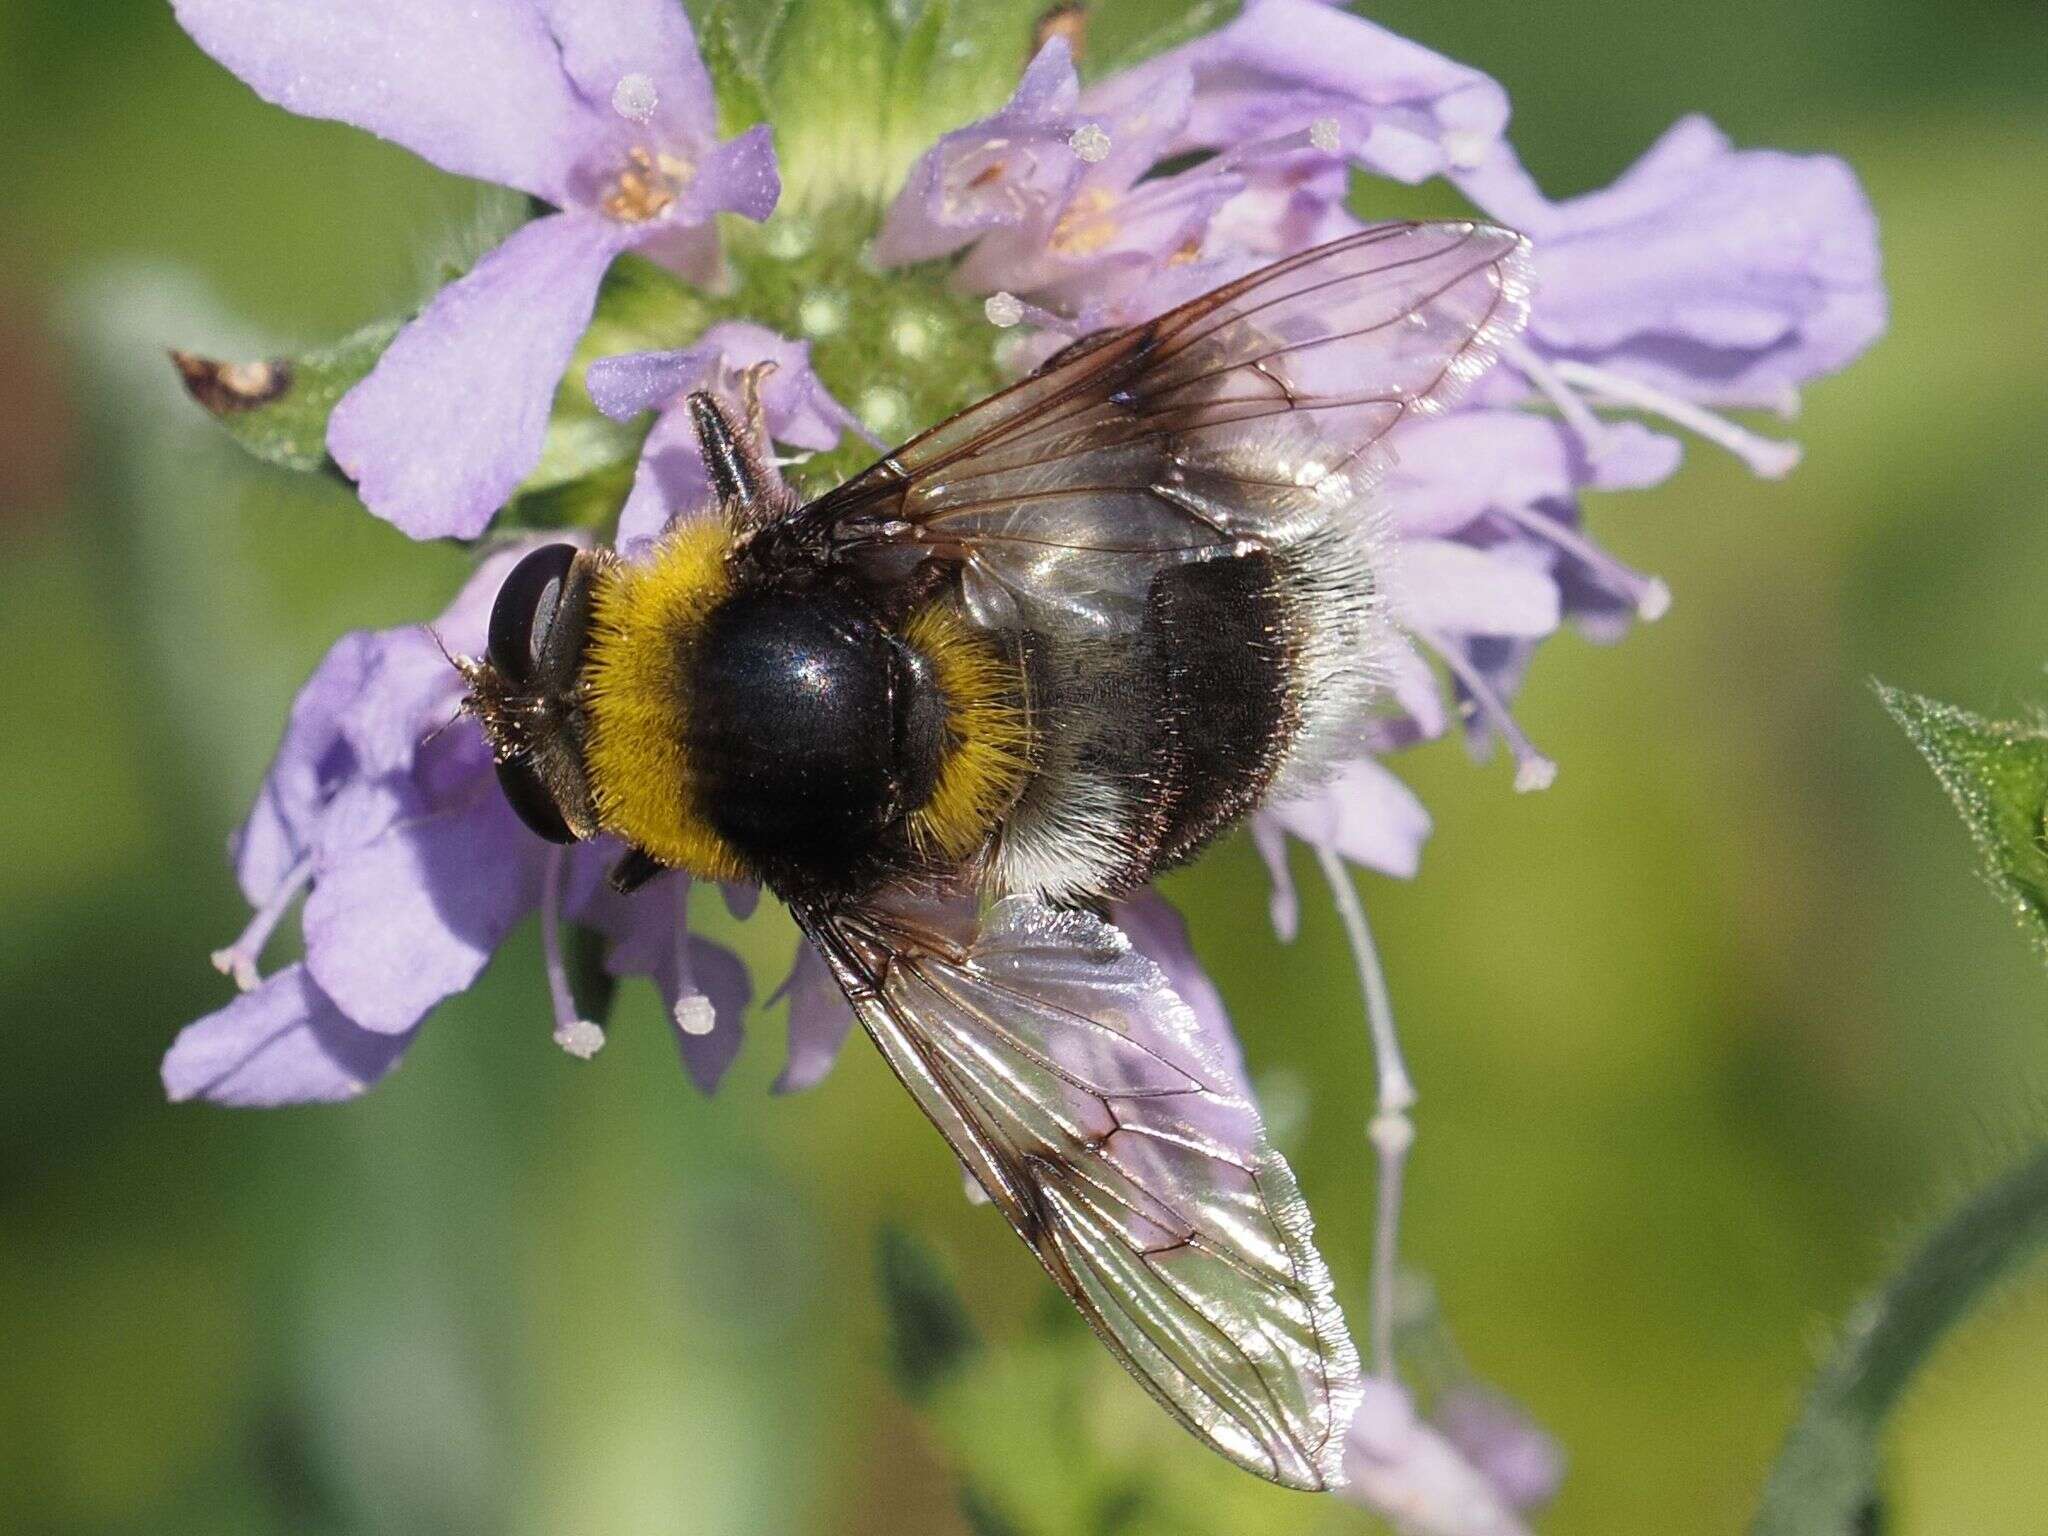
x=812, y=732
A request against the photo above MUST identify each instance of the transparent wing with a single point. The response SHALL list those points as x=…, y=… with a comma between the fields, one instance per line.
x=1075, y=1087
x=1250, y=413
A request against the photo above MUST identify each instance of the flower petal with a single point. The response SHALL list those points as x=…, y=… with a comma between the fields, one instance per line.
x=304, y=773
x=1363, y=814
x=714, y=976
x=1283, y=905
x=1414, y=687
x=1456, y=467
x=475, y=89
x=737, y=176
x=1159, y=933
x=647, y=42
x=283, y=1043
x=670, y=481
x=452, y=417
x=1523, y=1462
x=1455, y=589
x=819, y=1019
x=1727, y=276
x=999, y=172
x=1403, y=1469
x=704, y=985
x=1401, y=110
x=413, y=916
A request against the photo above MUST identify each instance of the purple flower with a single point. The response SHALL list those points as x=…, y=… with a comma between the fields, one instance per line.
x=669, y=481
x=1704, y=278
x=1054, y=193
x=819, y=1020
x=1417, y=1477
x=383, y=811
x=1715, y=275
x=1524, y=1464
x=603, y=111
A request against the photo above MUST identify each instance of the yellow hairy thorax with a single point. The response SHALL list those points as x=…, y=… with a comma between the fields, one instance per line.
x=988, y=748
x=646, y=619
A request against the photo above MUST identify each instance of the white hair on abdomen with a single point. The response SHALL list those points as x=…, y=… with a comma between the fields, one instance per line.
x=1337, y=574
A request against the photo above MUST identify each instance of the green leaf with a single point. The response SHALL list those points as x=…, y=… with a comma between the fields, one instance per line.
x=1122, y=35
x=828, y=78
x=587, y=459
x=277, y=409
x=983, y=1516
x=930, y=1334
x=736, y=82
x=858, y=89
x=1997, y=774
x=1824, y=1483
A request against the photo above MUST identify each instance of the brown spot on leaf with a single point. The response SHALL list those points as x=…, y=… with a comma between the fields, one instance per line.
x=224, y=388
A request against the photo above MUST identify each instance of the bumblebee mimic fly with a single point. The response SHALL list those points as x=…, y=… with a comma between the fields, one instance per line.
x=951, y=710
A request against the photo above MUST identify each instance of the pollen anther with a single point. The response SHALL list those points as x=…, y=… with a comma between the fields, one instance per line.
x=648, y=187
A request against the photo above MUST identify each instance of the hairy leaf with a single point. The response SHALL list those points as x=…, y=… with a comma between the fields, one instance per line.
x=277, y=409
x=1997, y=774
x=735, y=71
x=1824, y=1483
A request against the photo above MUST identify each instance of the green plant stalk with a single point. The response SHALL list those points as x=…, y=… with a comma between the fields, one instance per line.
x=1825, y=1479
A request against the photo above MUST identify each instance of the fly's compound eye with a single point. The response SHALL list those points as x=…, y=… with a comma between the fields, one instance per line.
x=531, y=800
x=524, y=611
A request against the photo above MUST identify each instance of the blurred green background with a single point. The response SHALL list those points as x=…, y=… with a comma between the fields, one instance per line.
x=1702, y=1033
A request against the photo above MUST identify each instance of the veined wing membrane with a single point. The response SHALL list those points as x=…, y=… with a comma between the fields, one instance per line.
x=1239, y=415
x=1074, y=1085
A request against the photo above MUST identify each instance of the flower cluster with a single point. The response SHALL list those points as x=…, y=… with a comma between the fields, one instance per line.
x=414, y=870
x=603, y=112
x=1705, y=279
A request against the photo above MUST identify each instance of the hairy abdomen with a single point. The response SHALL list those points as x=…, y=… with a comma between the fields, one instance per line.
x=1154, y=738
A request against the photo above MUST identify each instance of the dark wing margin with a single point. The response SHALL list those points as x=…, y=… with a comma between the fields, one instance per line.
x=1076, y=1088
x=1268, y=386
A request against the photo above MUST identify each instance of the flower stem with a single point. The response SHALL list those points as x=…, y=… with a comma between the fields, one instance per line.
x=1533, y=770
x=1392, y=1132
x=240, y=958
x=576, y=1035
x=1766, y=456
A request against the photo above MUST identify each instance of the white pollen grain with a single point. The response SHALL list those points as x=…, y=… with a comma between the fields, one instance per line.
x=694, y=1015
x=1003, y=309
x=635, y=98
x=580, y=1038
x=1091, y=142
x=1323, y=133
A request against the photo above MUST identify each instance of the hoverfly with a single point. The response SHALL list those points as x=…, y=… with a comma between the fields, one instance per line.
x=950, y=710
